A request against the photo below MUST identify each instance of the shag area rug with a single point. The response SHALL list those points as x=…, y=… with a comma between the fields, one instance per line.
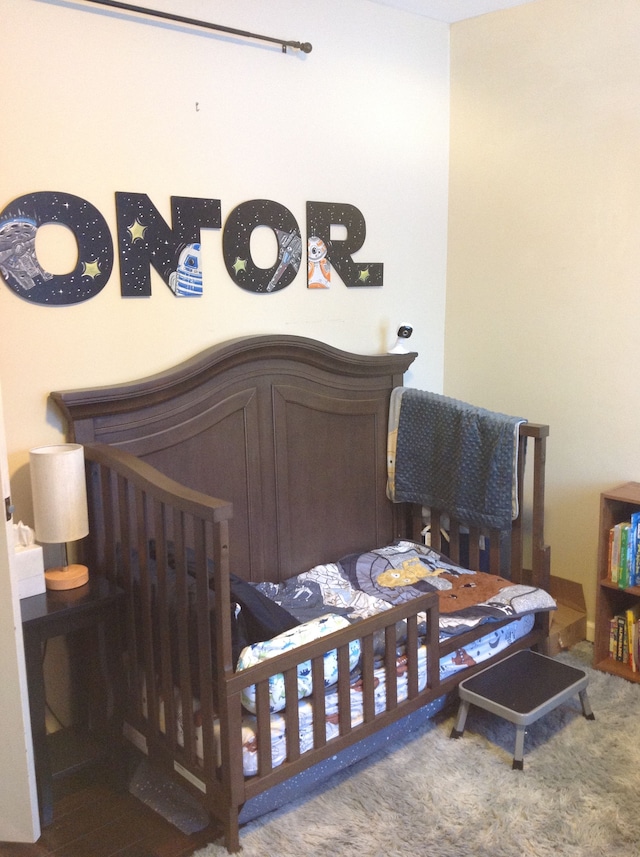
x=578, y=795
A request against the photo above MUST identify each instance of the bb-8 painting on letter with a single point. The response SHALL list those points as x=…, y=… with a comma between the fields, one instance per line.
x=318, y=266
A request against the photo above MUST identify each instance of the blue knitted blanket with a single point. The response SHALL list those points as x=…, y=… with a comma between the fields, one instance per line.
x=454, y=456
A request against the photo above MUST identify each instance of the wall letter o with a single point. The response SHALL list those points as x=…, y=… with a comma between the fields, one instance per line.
x=236, y=239
x=19, y=265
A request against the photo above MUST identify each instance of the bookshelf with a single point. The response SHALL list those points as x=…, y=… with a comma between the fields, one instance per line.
x=616, y=506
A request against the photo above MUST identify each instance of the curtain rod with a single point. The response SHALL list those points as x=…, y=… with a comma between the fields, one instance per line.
x=305, y=47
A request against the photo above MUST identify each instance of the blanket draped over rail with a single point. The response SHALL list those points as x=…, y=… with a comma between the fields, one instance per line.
x=453, y=456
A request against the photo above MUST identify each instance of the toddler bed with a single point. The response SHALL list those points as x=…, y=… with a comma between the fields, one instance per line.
x=240, y=499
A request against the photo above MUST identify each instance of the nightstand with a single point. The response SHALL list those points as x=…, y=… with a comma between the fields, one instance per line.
x=88, y=618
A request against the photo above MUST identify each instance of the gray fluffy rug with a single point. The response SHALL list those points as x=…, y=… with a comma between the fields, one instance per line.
x=578, y=796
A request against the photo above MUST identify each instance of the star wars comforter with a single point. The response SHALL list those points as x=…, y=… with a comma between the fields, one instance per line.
x=361, y=585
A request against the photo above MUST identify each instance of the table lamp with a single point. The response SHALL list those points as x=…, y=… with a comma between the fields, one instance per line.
x=59, y=494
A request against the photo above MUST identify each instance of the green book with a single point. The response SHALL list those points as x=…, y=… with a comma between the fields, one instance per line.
x=623, y=567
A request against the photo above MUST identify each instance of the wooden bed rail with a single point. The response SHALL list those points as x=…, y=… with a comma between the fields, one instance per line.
x=168, y=548
x=164, y=488
x=287, y=664
x=540, y=551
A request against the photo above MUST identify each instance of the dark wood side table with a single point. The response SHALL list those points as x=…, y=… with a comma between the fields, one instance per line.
x=88, y=618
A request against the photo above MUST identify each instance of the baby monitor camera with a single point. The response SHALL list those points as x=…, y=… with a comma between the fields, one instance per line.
x=401, y=344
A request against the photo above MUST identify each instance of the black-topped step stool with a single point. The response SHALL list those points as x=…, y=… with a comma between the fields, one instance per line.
x=521, y=688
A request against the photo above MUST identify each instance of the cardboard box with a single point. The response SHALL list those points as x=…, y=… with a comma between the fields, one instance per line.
x=29, y=567
x=569, y=621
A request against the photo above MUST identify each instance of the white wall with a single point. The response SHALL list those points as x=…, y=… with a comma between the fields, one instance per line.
x=19, y=821
x=543, y=296
x=97, y=102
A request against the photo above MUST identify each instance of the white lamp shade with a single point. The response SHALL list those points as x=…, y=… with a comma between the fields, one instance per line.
x=59, y=493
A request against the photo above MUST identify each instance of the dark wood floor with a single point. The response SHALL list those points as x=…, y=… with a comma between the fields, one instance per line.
x=91, y=819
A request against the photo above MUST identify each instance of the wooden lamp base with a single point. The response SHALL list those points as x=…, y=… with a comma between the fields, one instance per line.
x=66, y=577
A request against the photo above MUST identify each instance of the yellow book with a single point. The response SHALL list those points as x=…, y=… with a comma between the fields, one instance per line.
x=632, y=614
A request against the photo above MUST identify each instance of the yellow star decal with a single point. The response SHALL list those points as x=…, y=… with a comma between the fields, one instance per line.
x=364, y=275
x=239, y=265
x=91, y=269
x=137, y=230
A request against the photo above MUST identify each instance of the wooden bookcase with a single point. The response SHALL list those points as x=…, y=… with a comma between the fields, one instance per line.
x=616, y=506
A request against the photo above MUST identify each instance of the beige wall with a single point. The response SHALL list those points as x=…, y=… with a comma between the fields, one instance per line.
x=96, y=102
x=543, y=295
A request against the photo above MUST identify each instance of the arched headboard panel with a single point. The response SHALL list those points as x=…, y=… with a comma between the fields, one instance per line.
x=290, y=430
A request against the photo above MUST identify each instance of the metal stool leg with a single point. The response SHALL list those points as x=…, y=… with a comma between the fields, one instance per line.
x=458, y=729
x=518, y=763
x=586, y=706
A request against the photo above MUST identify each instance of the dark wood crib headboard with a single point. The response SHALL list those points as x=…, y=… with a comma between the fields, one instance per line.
x=290, y=430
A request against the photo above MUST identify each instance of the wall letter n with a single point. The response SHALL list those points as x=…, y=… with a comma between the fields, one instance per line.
x=145, y=240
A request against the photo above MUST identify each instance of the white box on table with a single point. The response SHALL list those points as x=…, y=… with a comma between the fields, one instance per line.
x=29, y=565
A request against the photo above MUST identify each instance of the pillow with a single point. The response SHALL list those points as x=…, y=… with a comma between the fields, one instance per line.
x=259, y=618
x=305, y=633
x=253, y=616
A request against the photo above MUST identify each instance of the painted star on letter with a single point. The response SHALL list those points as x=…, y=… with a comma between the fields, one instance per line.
x=137, y=230
x=240, y=265
x=364, y=275
x=91, y=269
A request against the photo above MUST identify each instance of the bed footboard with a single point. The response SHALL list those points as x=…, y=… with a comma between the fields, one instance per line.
x=167, y=547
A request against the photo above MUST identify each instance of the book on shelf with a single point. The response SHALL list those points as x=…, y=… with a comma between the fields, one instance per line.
x=614, y=552
x=632, y=615
x=624, y=638
x=635, y=550
x=623, y=561
x=622, y=651
x=613, y=636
